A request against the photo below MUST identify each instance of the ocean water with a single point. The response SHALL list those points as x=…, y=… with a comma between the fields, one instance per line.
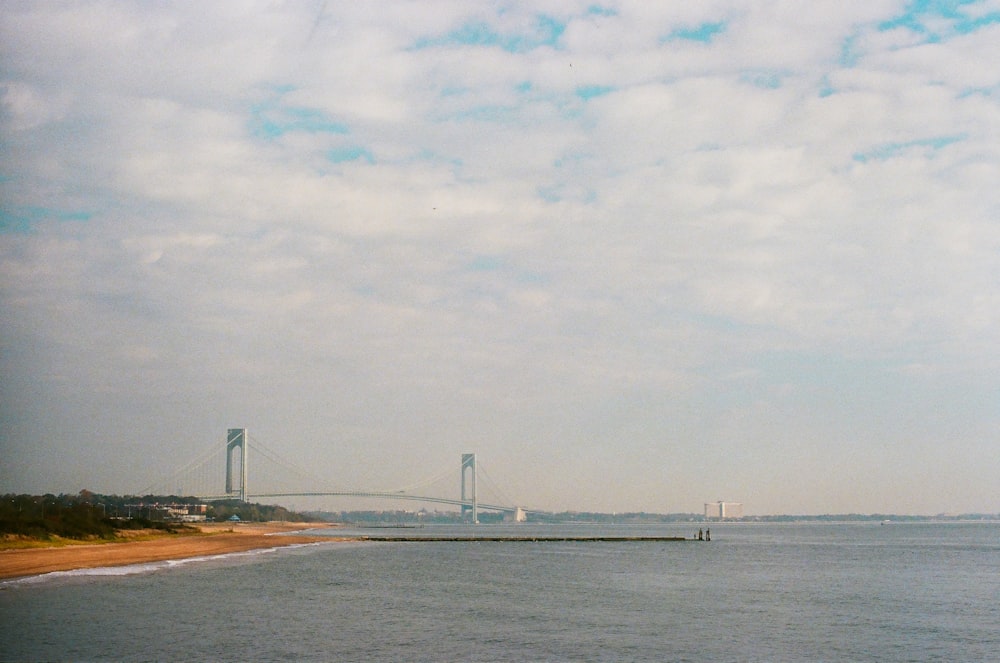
x=757, y=592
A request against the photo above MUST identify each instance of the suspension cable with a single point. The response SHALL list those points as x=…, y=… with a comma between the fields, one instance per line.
x=422, y=484
x=494, y=487
x=273, y=456
x=198, y=461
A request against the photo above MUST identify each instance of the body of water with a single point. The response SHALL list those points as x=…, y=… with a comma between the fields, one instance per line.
x=757, y=592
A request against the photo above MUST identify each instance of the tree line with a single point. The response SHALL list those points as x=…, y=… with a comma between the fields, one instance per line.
x=88, y=515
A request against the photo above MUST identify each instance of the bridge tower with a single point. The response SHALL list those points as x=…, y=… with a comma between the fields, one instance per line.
x=469, y=467
x=237, y=437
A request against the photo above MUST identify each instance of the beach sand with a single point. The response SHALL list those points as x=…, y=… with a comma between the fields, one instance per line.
x=214, y=539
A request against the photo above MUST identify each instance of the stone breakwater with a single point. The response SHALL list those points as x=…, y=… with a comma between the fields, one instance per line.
x=514, y=539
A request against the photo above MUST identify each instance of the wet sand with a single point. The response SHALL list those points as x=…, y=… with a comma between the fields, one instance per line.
x=214, y=539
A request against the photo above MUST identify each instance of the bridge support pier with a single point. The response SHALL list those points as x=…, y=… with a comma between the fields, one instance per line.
x=469, y=467
x=237, y=437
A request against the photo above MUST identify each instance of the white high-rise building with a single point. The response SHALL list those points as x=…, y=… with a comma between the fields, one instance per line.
x=723, y=510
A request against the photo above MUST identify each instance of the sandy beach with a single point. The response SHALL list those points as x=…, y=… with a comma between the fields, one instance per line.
x=214, y=539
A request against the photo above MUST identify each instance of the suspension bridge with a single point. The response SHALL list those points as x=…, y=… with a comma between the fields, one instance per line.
x=280, y=479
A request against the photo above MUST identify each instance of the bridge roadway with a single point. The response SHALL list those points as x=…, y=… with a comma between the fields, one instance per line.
x=378, y=494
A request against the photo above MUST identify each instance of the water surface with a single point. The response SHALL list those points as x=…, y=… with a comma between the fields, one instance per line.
x=757, y=592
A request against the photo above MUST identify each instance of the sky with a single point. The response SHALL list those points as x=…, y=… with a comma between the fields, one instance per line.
x=636, y=256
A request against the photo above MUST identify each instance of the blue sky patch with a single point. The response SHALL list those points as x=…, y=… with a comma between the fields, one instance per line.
x=547, y=32
x=496, y=264
x=270, y=119
x=815, y=373
x=485, y=264
x=559, y=192
x=470, y=34
x=483, y=114
x=826, y=88
x=977, y=91
x=767, y=80
x=919, y=13
x=890, y=150
x=430, y=156
x=967, y=25
x=597, y=10
x=351, y=153
x=588, y=92
x=849, y=55
x=22, y=219
x=454, y=91
x=551, y=30
x=550, y=194
x=704, y=33
x=277, y=124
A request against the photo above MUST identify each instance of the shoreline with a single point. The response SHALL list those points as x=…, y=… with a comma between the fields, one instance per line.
x=212, y=539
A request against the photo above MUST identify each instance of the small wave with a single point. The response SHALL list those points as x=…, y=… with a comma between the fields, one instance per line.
x=146, y=567
x=99, y=571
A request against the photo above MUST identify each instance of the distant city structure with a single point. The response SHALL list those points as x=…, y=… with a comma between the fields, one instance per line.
x=517, y=516
x=723, y=510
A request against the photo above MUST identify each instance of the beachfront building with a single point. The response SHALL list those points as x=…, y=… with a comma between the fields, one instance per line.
x=186, y=513
x=723, y=510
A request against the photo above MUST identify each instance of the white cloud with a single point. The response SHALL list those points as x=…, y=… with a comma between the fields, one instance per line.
x=429, y=227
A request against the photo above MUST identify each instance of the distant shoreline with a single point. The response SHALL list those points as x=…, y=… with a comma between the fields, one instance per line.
x=213, y=539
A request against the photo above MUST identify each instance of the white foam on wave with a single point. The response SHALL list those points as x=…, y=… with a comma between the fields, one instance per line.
x=99, y=571
x=146, y=567
x=208, y=558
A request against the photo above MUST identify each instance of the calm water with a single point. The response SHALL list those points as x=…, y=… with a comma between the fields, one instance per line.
x=790, y=592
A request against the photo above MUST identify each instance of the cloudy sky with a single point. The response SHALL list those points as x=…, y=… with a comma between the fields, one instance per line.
x=635, y=255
